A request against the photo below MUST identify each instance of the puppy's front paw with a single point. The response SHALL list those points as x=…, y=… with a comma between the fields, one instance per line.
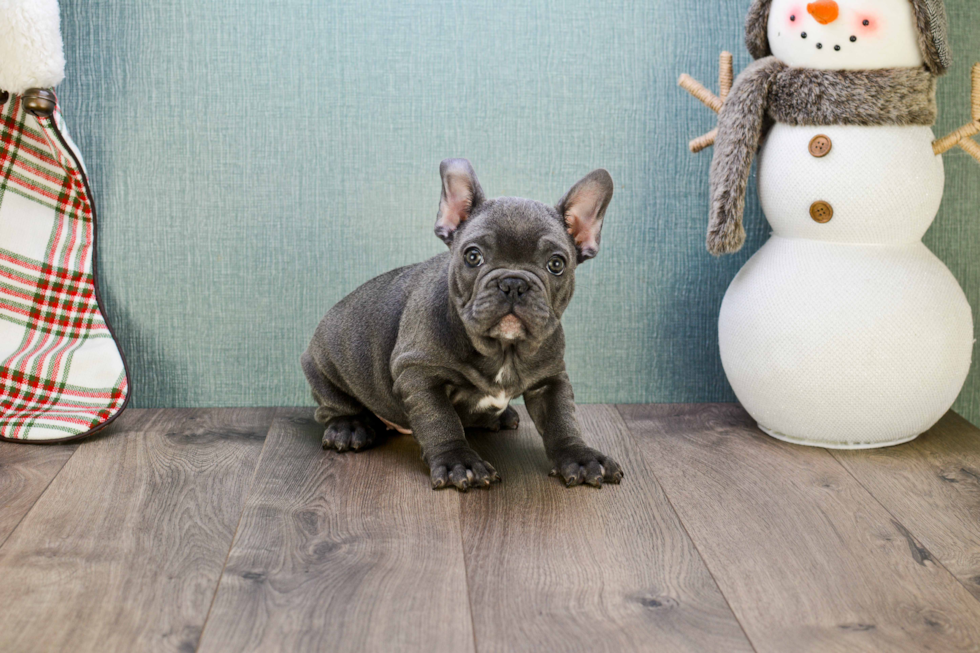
x=462, y=469
x=348, y=434
x=580, y=464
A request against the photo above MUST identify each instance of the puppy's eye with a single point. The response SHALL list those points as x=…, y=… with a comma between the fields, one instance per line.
x=473, y=257
x=556, y=265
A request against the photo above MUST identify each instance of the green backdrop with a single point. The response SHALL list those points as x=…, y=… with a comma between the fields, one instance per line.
x=255, y=160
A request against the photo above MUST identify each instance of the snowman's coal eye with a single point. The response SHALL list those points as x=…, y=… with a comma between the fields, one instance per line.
x=866, y=22
x=793, y=18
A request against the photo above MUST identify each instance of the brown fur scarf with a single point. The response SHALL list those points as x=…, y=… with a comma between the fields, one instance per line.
x=768, y=90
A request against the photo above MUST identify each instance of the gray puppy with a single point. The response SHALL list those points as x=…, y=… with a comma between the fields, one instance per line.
x=443, y=345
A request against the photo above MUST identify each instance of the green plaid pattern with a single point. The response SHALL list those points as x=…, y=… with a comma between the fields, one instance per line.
x=61, y=374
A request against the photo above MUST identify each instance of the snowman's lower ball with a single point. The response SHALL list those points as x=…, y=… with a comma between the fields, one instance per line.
x=845, y=346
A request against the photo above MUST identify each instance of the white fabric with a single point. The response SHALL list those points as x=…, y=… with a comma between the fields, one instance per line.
x=845, y=345
x=26, y=226
x=31, y=51
x=11, y=338
x=884, y=183
x=890, y=40
x=61, y=374
x=847, y=334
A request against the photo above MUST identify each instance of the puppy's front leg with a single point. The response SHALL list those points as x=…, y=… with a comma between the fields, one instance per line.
x=552, y=407
x=439, y=431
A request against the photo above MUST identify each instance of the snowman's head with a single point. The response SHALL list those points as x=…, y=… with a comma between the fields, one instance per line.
x=851, y=34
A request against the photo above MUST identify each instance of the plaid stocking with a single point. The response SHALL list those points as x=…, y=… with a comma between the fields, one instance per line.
x=61, y=374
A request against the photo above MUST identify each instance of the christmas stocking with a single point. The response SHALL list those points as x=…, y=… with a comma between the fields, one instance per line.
x=62, y=375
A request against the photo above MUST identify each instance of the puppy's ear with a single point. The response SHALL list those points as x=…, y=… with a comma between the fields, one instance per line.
x=461, y=194
x=583, y=209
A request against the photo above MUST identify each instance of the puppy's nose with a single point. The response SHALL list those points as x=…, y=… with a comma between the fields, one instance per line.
x=824, y=11
x=513, y=287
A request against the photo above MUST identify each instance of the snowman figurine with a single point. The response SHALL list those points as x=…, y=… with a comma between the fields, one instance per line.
x=843, y=330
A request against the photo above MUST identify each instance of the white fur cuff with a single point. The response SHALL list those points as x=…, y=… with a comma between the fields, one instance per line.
x=31, y=51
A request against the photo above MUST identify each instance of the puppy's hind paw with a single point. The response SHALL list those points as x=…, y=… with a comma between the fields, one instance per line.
x=349, y=434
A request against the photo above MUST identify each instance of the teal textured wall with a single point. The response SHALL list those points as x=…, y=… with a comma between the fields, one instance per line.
x=255, y=160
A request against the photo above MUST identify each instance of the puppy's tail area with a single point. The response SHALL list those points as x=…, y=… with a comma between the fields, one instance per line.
x=318, y=383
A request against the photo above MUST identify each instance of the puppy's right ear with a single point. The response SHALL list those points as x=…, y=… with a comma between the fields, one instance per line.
x=461, y=194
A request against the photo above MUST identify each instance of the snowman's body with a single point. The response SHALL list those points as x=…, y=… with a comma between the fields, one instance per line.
x=846, y=332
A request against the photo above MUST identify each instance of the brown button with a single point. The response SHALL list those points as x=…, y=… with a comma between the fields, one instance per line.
x=821, y=212
x=820, y=146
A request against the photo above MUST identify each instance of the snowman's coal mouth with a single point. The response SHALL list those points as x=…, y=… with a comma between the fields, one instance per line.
x=837, y=48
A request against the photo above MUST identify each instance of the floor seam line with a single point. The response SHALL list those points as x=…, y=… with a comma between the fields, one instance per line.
x=238, y=524
x=41, y=494
x=466, y=572
x=680, y=521
x=932, y=556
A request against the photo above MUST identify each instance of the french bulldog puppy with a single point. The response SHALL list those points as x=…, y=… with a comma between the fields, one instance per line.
x=443, y=345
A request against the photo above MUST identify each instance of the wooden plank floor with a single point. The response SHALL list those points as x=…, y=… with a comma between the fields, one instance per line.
x=342, y=553
x=608, y=569
x=232, y=530
x=801, y=550
x=25, y=473
x=124, y=549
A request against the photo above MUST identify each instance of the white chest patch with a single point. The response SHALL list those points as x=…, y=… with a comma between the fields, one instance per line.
x=498, y=401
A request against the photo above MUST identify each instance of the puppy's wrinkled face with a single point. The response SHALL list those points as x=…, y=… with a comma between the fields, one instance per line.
x=513, y=270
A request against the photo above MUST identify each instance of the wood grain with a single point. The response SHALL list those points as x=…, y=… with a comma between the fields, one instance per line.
x=26, y=470
x=124, y=550
x=581, y=569
x=932, y=486
x=808, y=560
x=347, y=552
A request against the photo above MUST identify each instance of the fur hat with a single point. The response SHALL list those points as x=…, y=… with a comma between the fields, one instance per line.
x=931, y=22
x=31, y=53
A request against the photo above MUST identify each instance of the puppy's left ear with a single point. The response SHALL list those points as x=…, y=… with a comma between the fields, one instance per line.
x=461, y=194
x=583, y=208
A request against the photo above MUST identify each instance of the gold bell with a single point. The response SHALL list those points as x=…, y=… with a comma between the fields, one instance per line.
x=40, y=101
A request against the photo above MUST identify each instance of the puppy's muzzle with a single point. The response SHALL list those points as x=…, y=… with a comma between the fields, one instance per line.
x=513, y=288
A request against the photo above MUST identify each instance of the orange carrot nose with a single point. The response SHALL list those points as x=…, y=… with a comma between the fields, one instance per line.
x=825, y=11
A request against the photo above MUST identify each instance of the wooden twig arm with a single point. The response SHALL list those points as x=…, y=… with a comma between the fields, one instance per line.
x=726, y=77
x=975, y=96
x=698, y=90
x=704, y=142
x=948, y=142
x=971, y=147
x=963, y=136
x=726, y=74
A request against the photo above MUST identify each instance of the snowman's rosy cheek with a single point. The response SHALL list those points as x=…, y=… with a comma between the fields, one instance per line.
x=867, y=25
x=794, y=17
